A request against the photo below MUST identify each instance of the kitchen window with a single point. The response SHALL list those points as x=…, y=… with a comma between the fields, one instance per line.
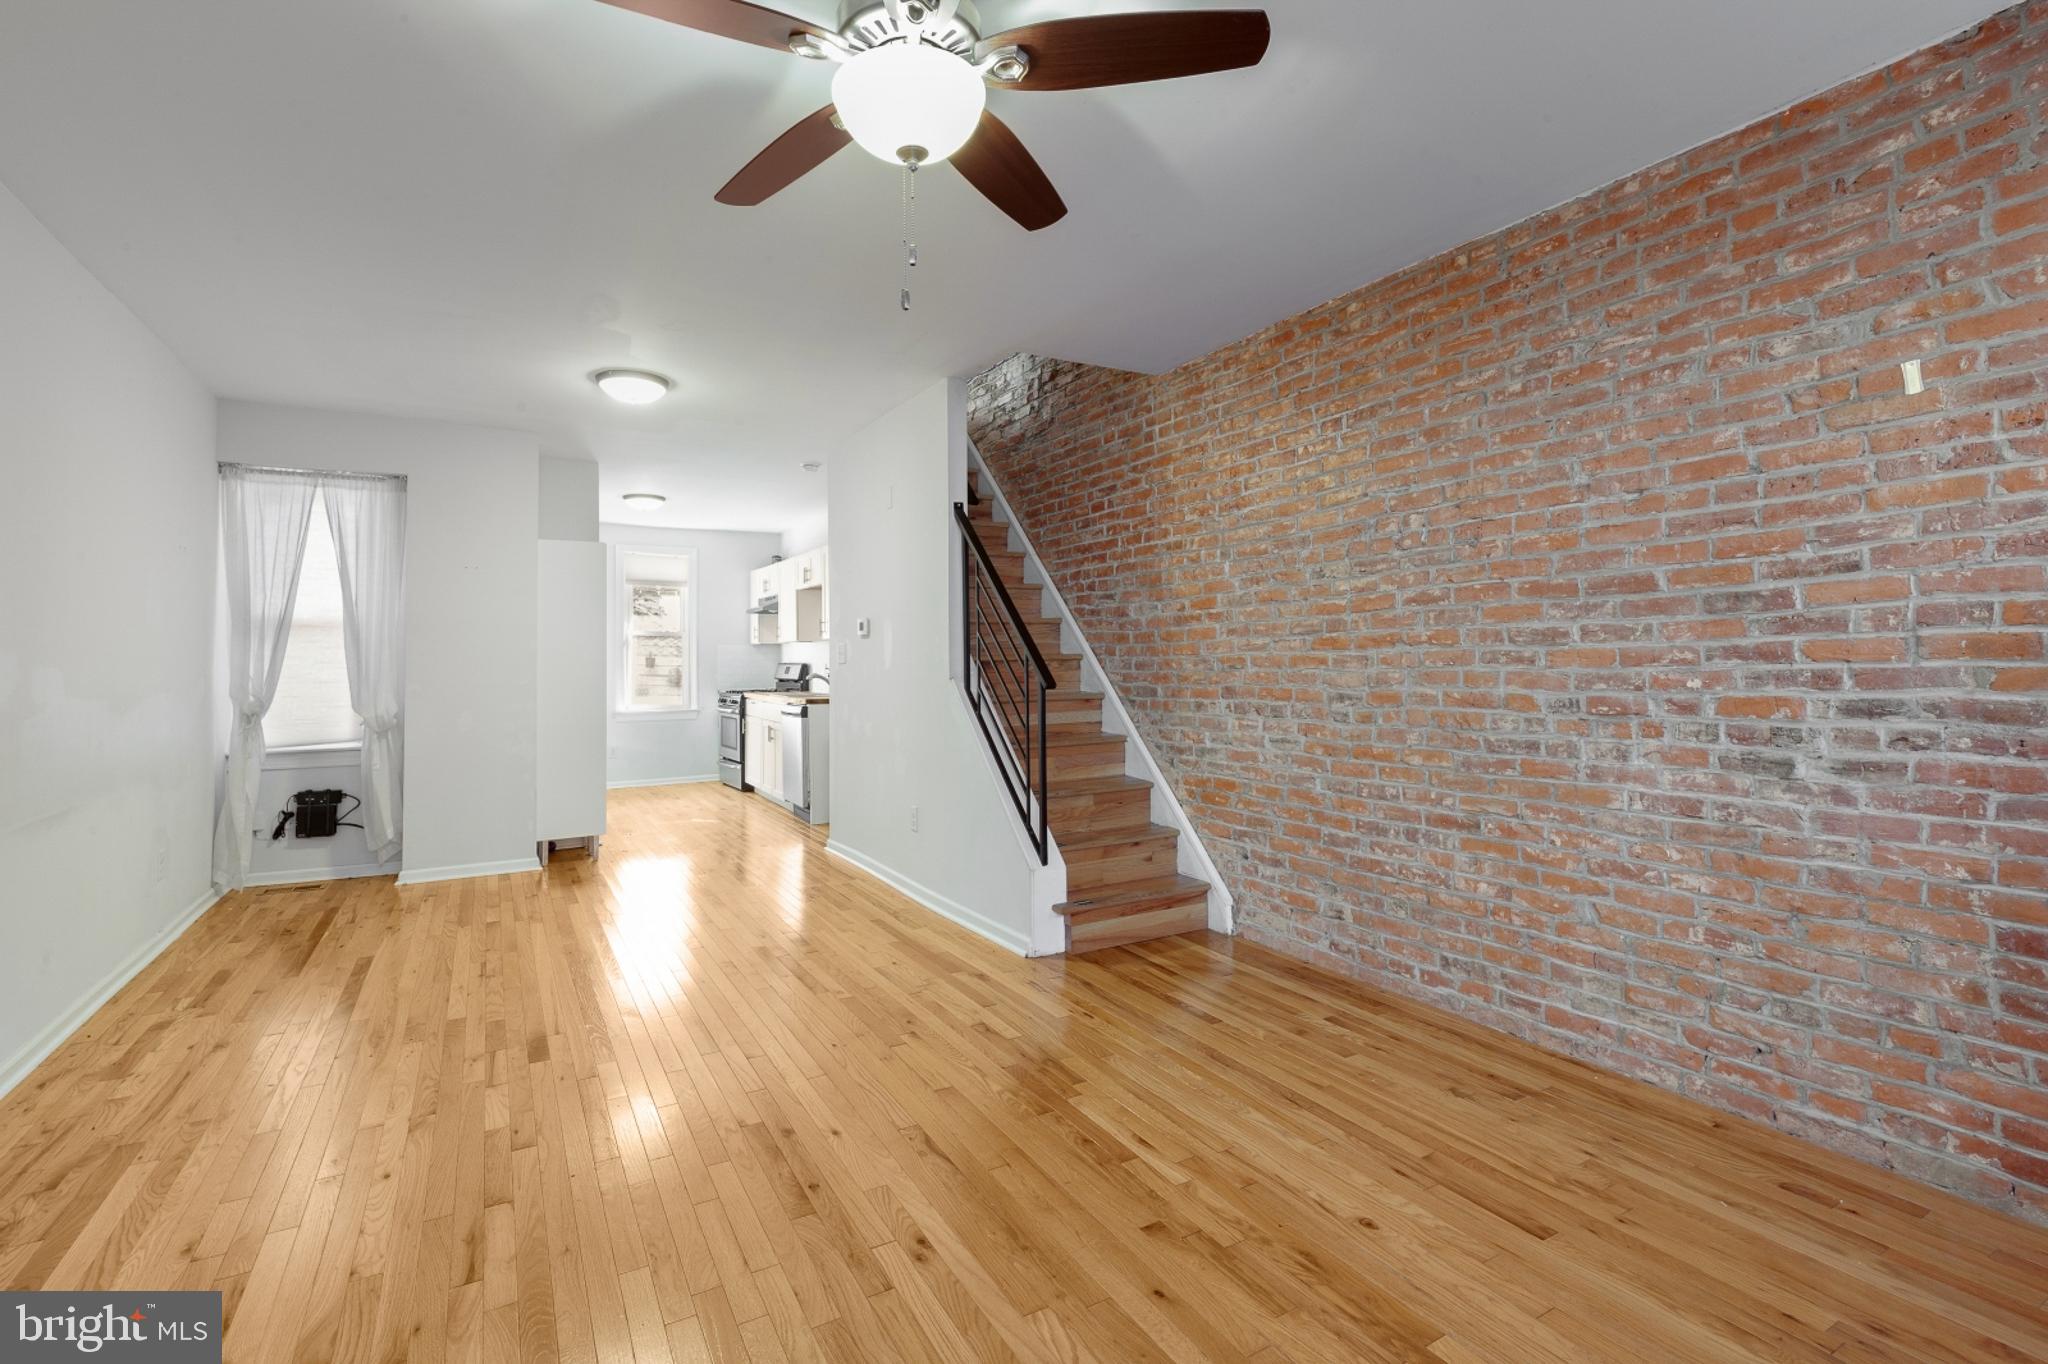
x=312, y=709
x=658, y=672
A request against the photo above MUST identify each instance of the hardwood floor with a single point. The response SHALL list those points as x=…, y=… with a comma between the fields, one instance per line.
x=720, y=1097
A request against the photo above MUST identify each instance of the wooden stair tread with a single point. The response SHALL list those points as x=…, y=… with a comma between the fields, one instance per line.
x=1065, y=736
x=1101, y=838
x=1073, y=717
x=1095, y=786
x=1135, y=897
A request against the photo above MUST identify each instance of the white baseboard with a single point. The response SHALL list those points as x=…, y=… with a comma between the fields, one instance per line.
x=306, y=876
x=999, y=934
x=416, y=876
x=658, y=781
x=17, y=1067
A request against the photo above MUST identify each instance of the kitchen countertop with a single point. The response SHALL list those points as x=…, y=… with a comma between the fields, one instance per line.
x=802, y=698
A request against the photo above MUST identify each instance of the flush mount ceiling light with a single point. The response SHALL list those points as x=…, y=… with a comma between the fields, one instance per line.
x=634, y=387
x=909, y=103
x=812, y=466
x=644, y=499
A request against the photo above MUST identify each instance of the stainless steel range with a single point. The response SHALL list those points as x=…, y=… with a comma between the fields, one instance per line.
x=732, y=739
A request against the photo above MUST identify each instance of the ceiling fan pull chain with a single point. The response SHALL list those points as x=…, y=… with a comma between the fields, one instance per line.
x=909, y=229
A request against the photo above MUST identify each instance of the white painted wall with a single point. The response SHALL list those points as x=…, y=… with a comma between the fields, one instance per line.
x=806, y=532
x=902, y=735
x=568, y=499
x=819, y=656
x=472, y=522
x=107, y=544
x=651, y=750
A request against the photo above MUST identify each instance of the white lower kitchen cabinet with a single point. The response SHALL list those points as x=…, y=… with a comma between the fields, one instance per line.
x=762, y=759
x=787, y=755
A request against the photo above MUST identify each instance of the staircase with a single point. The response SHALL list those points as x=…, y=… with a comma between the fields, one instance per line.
x=1122, y=882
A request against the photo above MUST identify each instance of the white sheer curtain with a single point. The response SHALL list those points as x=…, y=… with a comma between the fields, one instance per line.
x=367, y=515
x=263, y=517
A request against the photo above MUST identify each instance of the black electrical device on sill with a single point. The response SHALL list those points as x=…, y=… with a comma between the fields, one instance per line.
x=315, y=814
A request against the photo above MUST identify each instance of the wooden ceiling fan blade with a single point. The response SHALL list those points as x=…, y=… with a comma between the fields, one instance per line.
x=727, y=18
x=798, y=152
x=996, y=163
x=1123, y=49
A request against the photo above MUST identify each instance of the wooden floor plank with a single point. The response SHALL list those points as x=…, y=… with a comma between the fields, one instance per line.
x=720, y=1097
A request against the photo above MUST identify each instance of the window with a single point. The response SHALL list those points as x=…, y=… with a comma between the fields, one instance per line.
x=658, y=668
x=312, y=705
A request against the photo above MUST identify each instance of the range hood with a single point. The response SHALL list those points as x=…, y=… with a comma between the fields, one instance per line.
x=767, y=606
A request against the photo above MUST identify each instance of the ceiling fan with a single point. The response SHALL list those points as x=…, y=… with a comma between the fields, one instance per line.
x=913, y=79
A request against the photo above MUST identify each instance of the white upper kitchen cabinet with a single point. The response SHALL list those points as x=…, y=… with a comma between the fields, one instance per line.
x=785, y=589
x=762, y=583
x=808, y=589
x=824, y=586
x=801, y=587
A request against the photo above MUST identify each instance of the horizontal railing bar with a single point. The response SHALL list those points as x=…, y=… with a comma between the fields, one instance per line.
x=1009, y=705
x=1009, y=697
x=1009, y=654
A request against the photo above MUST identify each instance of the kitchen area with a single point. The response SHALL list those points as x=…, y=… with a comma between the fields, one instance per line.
x=725, y=671
x=776, y=742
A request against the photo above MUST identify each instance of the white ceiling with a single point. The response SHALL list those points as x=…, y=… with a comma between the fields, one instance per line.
x=459, y=208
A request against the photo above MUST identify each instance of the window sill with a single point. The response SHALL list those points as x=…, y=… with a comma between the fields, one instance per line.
x=312, y=755
x=634, y=717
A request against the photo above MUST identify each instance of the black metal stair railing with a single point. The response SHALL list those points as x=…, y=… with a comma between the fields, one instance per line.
x=1006, y=679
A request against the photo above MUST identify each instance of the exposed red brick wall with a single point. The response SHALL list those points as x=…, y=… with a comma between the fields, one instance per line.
x=1584, y=631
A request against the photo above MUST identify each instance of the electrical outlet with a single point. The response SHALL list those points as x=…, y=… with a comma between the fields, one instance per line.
x=913, y=819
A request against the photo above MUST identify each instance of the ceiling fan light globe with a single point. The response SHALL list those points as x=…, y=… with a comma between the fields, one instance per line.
x=909, y=95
